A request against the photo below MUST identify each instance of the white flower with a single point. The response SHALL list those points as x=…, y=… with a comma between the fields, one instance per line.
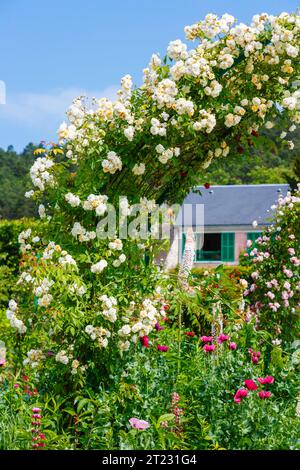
x=112, y=164
x=184, y=106
x=73, y=200
x=129, y=133
x=99, y=267
x=165, y=92
x=139, y=169
x=125, y=330
x=97, y=203
x=29, y=194
x=232, y=120
x=116, y=244
x=292, y=51
x=42, y=211
x=226, y=61
x=39, y=173
x=122, y=258
x=62, y=357
x=124, y=346
x=254, y=224
x=89, y=329
x=177, y=50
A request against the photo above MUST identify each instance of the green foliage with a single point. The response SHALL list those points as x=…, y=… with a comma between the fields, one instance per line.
x=14, y=181
x=265, y=161
x=10, y=256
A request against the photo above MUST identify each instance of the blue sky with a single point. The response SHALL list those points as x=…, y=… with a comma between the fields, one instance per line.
x=52, y=51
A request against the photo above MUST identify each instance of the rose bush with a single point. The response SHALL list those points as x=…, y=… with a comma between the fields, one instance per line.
x=274, y=290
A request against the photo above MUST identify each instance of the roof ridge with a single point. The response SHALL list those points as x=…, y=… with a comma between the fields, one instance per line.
x=242, y=185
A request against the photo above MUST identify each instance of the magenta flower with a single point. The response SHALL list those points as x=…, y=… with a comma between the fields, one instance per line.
x=158, y=327
x=162, y=348
x=209, y=348
x=267, y=380
x=222, y=338
x=240, y=394
x=232, y=345
x=139, y=424
x=250, y=384
x=264, y=394
x=206, y=339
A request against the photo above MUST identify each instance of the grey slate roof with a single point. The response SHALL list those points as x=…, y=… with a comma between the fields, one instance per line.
x=233, y=205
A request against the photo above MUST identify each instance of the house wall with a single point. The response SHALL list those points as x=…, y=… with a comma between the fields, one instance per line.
x=174, y=256
x=240, y=244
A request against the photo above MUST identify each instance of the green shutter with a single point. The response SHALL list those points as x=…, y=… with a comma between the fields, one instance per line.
x=228, y=246
x=253, y=236
x=183, y=242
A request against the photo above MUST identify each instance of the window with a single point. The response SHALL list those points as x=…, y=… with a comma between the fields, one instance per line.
x=211, y=249
x=216, y=247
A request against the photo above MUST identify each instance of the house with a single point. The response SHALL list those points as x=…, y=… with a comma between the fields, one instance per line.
x=223, y=218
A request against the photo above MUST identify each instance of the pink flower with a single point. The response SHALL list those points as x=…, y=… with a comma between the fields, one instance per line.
x=175, y=398
x=209, y=347
x=2, y=362
x=139, y=424
x=264, y=394
x=291, y=251
x=16, y=385
x=232, y=345
x=206, y=339
x=240, y=394
x=250, y=384
x=145, y=341
x=36, y=410
x=162, y=348
x=254, y=359
x=222, y=338
x=267, y=380
x=288, y=273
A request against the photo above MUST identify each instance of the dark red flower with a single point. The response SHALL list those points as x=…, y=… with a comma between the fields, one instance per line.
x=255, y=134
x=190, y=333
x=145, y=341
x=206, y=185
